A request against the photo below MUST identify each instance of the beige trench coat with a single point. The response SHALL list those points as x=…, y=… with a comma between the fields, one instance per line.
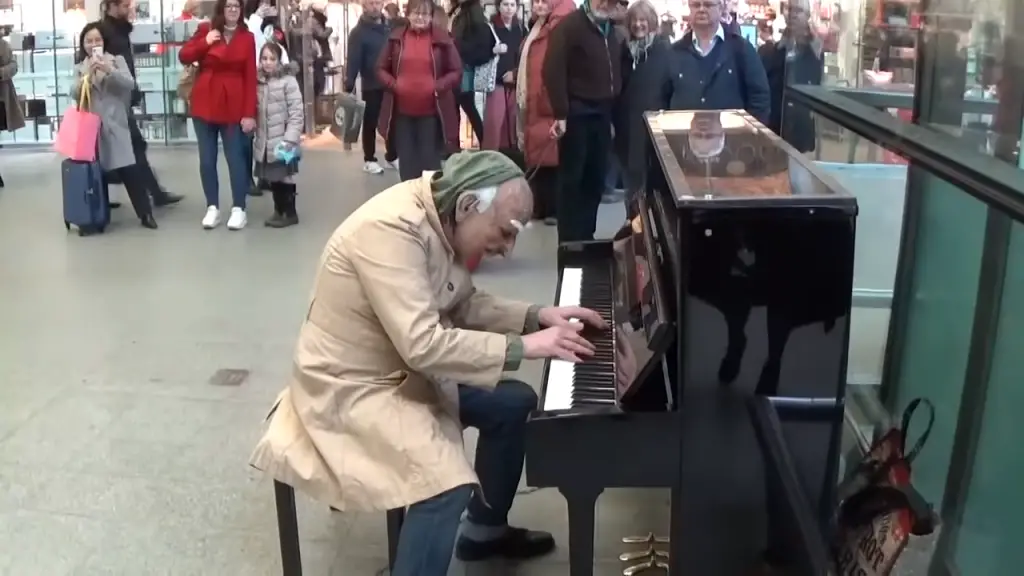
x=369, y=420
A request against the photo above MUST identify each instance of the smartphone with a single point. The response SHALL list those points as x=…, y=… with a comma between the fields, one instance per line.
x=97, y=51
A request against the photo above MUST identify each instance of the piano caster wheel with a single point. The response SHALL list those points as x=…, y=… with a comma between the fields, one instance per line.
x=643, y=555
x=653, y=563
x=649, y=539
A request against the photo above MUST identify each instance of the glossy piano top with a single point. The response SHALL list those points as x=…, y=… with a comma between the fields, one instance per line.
x=726, y=158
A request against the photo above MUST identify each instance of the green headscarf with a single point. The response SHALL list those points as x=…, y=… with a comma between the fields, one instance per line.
x=465, y=171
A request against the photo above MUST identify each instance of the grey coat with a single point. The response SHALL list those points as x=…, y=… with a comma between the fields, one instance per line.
x=279, y=116
x=110, y=96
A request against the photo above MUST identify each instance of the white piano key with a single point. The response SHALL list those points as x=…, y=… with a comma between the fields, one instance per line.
x=558, y=389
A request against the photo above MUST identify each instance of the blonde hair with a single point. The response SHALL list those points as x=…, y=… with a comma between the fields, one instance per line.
x=643, y=10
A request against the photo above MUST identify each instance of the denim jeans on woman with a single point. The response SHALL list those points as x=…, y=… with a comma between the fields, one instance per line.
x=235, y=143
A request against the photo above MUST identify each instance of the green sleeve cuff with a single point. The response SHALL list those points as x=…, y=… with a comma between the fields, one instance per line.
x=513, y=353
x=532, y=319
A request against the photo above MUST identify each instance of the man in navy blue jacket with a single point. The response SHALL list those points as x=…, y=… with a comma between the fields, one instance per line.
x=714, y=68
x=365, y=42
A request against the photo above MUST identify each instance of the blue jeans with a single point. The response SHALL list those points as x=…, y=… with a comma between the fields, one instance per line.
x=428, y=535
x=235, y=143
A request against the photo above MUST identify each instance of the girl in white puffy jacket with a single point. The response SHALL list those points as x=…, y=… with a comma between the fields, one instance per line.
x=278, y=130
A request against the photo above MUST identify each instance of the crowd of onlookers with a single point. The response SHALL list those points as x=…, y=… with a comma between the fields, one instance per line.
x=565, y=90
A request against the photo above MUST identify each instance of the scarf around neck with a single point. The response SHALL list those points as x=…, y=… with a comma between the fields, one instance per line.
x=638, y=47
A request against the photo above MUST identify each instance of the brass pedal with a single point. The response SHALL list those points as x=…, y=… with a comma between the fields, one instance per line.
x=652, y=564
x=651, y=538
x=642, y=555
x=639, y=539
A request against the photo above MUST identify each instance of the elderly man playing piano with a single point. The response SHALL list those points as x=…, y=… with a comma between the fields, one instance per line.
x=399, y=352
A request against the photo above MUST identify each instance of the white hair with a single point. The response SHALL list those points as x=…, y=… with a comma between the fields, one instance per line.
x=485, y=197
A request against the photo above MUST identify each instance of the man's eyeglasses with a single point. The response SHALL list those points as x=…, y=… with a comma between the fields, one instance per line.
x=704, y=5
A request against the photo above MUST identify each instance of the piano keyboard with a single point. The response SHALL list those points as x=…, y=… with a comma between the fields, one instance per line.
x=592, y=382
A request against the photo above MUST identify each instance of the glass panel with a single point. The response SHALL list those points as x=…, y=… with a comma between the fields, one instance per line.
x=991, y=532
x=940, y=319
x=41, y=40
x=878, y=179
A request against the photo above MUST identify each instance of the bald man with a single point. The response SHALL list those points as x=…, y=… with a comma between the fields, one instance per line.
x=399, y=352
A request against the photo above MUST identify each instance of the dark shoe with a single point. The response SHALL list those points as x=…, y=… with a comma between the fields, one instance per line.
x=256, y=189
x=149, y=222
x=729, y=369
x=115, y=205
x=279, y=220
x=551, y=221
x=516, y=544
x=166, y=199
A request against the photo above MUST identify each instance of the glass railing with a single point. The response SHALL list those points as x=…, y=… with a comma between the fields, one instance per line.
x=941, y=228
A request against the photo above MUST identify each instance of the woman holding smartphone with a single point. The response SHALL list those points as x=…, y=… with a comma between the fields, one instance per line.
x=110, y=93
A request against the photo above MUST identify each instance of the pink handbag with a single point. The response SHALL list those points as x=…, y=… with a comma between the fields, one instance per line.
x=79, y=129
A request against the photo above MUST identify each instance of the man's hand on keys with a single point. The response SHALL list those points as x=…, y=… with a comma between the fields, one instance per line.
x=562, y=342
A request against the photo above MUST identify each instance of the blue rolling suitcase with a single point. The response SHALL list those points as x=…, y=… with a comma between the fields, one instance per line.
x=86, y=204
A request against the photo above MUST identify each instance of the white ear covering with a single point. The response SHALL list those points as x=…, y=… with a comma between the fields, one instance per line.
x=486, y=198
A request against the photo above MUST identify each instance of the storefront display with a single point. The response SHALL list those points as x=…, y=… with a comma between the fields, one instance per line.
x=43, y=35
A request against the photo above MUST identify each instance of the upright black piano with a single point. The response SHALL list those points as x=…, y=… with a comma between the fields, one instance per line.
x=730, y=282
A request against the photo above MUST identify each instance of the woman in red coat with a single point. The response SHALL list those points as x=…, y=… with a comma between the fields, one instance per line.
x=536, y=117
x=223, y=105
x=420, y=69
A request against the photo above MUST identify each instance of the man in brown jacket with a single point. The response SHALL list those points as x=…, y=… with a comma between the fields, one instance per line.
x=399, y=352
x=583, y=71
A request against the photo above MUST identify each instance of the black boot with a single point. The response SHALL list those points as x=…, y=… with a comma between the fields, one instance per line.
x=284, y=206
x=149, y=222
x=291, y=214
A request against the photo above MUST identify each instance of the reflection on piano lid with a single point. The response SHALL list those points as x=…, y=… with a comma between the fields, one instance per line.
x=719, y=158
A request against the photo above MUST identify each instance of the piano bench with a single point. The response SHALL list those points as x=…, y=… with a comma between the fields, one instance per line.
x=288, y=530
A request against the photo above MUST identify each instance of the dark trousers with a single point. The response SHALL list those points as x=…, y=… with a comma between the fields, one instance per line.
x=145, y=172
x=467, y=102
x=428, y=534
x=583, y=164
x=134, y=184
x=371, y=119
x=419, y=144
x=544, y=185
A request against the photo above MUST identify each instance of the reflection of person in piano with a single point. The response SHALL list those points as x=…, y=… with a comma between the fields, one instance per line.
x=399, y=352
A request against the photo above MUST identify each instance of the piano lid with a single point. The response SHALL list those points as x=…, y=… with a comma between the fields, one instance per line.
x=727, y=159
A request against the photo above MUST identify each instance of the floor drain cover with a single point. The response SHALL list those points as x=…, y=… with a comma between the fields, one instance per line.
x=229, y=377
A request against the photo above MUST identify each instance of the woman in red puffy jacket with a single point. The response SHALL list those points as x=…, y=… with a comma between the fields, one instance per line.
x=223, y=104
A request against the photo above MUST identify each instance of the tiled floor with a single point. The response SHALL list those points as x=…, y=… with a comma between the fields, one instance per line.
x=116, y=454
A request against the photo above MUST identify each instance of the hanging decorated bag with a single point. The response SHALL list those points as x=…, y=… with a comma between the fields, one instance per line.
x=485, y=76
x=878, y=508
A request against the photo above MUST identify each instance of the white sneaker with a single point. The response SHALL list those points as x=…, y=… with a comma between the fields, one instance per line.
x=212, y=218
x=372, y=168
x=237, y=220
x=393, y=165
